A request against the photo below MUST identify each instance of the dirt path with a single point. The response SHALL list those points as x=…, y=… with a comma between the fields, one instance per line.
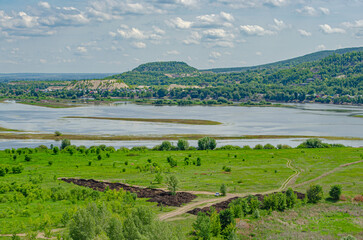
x=210, y=202
x=327, y=173
x=40, y=235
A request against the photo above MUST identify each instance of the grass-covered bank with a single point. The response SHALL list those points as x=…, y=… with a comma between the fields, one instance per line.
x=155, y=120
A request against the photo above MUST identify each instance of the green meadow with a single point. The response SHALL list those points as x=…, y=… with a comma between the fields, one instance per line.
x=242, y=171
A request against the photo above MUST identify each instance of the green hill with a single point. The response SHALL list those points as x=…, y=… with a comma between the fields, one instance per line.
x=165, y=68
x=289, y=62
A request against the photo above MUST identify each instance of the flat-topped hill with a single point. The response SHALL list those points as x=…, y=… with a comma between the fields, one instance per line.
x=172, y=67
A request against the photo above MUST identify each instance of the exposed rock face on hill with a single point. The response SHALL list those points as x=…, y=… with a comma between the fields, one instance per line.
x=98, y=85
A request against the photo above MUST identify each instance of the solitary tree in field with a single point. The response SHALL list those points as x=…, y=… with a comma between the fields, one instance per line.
x=314, y=193
x=335, y=192
x=172, y=183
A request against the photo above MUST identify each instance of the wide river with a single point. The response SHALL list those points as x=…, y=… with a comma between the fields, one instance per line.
x=305, y=119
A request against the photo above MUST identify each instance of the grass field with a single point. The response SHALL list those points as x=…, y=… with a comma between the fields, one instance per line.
x=251, y=171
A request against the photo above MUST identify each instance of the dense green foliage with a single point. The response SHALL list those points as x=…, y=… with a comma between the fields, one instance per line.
x=335, y=79
x=314, y=193
x=335, y=192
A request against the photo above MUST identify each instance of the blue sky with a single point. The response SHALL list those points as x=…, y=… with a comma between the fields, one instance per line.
x=118, y=35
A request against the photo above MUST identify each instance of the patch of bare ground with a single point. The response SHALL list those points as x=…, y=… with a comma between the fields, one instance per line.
x=156, y=195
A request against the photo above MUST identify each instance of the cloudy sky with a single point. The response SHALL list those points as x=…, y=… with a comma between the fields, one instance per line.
x=118, y=35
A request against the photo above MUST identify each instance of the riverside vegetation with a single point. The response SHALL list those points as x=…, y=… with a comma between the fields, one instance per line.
x=34, y=200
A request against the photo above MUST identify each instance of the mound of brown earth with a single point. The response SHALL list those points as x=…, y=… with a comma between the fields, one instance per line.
x=155, y=195
x=173, y=200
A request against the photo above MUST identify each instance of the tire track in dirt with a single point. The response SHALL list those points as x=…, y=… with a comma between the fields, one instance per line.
x=327, y=173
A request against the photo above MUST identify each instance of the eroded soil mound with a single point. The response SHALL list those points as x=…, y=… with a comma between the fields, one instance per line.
x=177, y=200
x=155, y=195
x=224, y=205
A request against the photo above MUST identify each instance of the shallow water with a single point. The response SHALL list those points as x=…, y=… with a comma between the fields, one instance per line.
x=306, y=119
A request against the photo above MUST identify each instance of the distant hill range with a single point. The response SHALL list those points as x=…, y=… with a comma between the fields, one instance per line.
x=7, y=77
x=289, y=62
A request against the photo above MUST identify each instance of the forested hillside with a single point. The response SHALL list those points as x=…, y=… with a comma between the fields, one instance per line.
x=289, y=62
x=335, y=79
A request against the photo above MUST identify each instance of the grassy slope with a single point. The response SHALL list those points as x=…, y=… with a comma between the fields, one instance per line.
x=256, y=173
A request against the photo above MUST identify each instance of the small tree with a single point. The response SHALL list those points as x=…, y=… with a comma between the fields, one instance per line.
x=27, y=158
x=183, y=144
x=335, y=192
x=207, y=143
x=172, y=183
x=202, y=226
x=199, y=162
x=291, y=198
x=165, y=146
x=226, y=218
x=314, y=193
x=223, y=189
x=65, y=143
x=57, y=133
x=55, y=150
x=159, y=178
x=215, y=223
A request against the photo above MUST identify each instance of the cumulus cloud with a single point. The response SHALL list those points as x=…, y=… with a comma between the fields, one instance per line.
x=138, y=44
x=255, y=30
x=215, y=55
x=307, y=10
x=214, y=20
x=217, y=33
x=355, y=24
x=179, y=23
x=44, y=5
x=325, y=11
x=131, y=33
x=279, y=25
x=276, y=3
x=329, y=30
x=304, y=33
x=311, y=11
x=194, y=38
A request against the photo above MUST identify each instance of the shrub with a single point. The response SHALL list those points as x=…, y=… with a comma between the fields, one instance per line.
x=199, y=161
x=226, y=218
x=268, y=146
x=335, y=192
x=172, y=162
x=223, y=189
x=2, y=171
x=165, y=146
x=313, y=143
x=183, y=144
x=202, y=226
x=314, y=193
x=27, y=158
x=57, y=133
x=55, y=150
x=291, y=198
x=172, y=183
x=207, y=143
x=65, y=143
x=159, y=178
x=258, y=147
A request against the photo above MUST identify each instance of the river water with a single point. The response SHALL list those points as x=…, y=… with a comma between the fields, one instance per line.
x=305, y=119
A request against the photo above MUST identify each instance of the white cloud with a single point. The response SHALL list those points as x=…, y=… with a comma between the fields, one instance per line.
x=112, y=34
x=179, y=23
x=81, y=50
x=355, y=24
x=217, y=33
x=194, y=38
x=138, y=44
x=304, y=33
x=44, y=5
x=325, y=11
x=227, y=16
x=255, y=30
x=215, y=55
x=43, y=61
x=279, y=25
x=320, y=47
x=307, y=10
x=276, y=3
x=259, y=53
x=187, y=3
x=158, y=30
x=133, y=33
x=328, y=29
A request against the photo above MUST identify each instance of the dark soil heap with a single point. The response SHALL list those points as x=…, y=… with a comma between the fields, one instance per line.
x=155, y=195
